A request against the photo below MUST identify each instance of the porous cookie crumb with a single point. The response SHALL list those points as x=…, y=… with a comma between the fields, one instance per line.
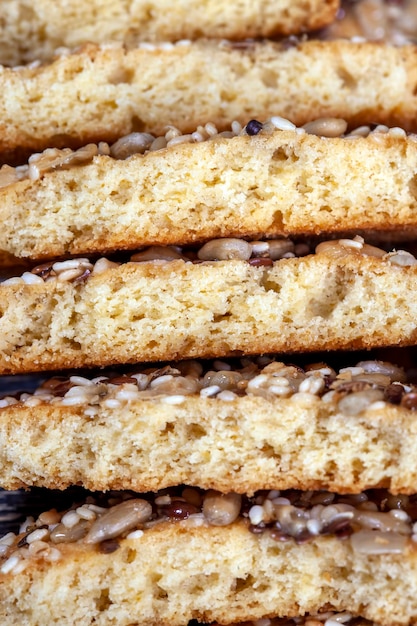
x=102, y=93
x=257, y=425
x=30, y=32
x=177, y=189
x=158, y=310
x=176, y=571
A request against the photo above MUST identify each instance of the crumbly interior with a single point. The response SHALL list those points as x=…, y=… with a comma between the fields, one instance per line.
x=100, y=94
x=30, y=32
x=277, y=183
x=172, y=574
x=157, y=311
x=241, y=444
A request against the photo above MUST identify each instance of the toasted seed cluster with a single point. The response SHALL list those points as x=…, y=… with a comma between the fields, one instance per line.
x=142, y=143
x=256, y=253
x=367, y=385
x=374, y=522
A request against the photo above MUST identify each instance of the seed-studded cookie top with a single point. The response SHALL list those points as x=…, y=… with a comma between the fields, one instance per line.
x=141, y=143
x=374, y=522
x=352, y=389
x=256, y=253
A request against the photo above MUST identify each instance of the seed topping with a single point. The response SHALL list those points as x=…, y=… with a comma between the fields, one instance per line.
x=373, y=522
x=141, y=143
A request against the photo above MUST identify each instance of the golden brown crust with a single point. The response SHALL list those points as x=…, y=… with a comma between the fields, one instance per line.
x=283, y=183
x=153, y=311
x=29, y=32
x=102, y=94
x=173, y=574
x=242, y=445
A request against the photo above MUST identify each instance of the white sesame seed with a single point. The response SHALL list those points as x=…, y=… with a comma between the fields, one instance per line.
x=258, y=381
x=16, y=280
x=142, y=380
x=274, y=493
x=314, y=526
x=312, y=385
x=351, y=243
x=377, y=406
x=259, y=247
x=81, y=381
x=31, y=279
x=91, y=411
x=281, y=500
x=86, y=513
x=95, y=508
x=7, y=401
x=256, y=514
x=163, y=500
x=10, y=564
x=70, y=519
x=37, y=535
x=37, y=547
x=207, y=392
x=395, y=131
x=20, y=567
x=8, y=539
x=112, y=403
x=175, y=399
x=226, y=396
x=61, y=266
x=53, y=555
x=197, y=136
x=31, y=401
x=236, y=127
x=381, y=128
x=280, y=380
x=128, y=392
x=136, y=534
x=400, y=514
x=74, y=400
x=281, y=123
x=211, y=129
x=279, y=390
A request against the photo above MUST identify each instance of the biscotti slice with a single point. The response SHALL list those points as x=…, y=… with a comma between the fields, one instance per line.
x=75, y=314
x=100, y=94
x=265, y=180
x=29, y=32
x=250, y=427
x=166, y=558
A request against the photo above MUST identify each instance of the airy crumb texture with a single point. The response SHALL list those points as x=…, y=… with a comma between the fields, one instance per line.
x=173, y=574
x=337, y=299
x=31, y=31
x=279, y=183
x=241, y=444
x=103, y=93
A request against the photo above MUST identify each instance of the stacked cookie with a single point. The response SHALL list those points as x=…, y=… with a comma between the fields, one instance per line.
x=226, y=484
